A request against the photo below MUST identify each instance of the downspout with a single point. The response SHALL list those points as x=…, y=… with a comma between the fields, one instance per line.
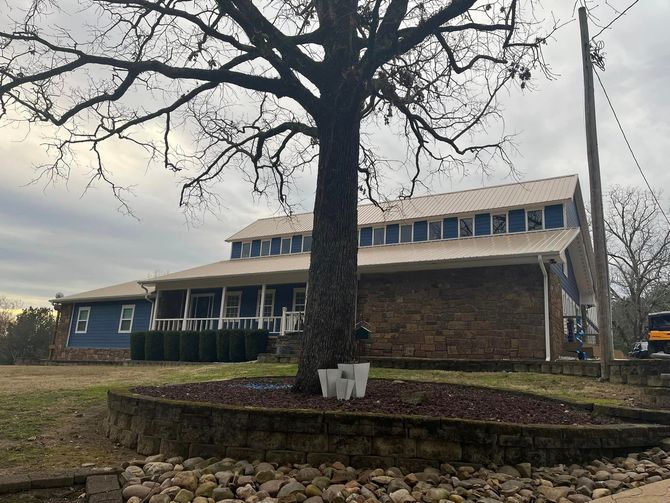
x=146, y=297
x=547, y=338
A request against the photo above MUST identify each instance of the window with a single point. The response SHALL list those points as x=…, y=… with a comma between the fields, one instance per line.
x=82, y=320
x=233, y=303
x=465, y=227
x=246, y=250
x=378, y=236
x=299, y=299
x=435, y=230
x=202, y=305
x=286, y=245
x=534, y=218
x=499, y=223
x=265, y=248
x=269, y=307
x=307, y=244
x=126, y=321
x=406, y=233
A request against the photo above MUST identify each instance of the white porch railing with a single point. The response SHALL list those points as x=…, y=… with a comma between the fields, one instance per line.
x=292, y=322
x=273, y=324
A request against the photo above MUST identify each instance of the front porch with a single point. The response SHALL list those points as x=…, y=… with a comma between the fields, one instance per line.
x=231, y=307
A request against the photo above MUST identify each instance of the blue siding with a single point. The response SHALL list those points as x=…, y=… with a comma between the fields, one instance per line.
x=421, y=230
x=366, y=236
x=450, y=228
x=482, y=224
x=572, y=215
x=256, y=248
x=236, y=251
x=103, y=324
x=569, y=282
x=296, y=243
x=553, y=216
x=275, y=246
x=284, y=296
x=517, y=221
x=392, y=234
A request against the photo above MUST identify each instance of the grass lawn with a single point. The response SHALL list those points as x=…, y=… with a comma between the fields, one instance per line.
x=51, y=417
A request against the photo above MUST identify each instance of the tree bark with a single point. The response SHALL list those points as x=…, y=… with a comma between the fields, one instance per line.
x=331, y=295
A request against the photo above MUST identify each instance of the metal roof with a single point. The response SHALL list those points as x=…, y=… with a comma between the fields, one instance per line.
x=546, y=191
x=410, y=256
x=131, y=289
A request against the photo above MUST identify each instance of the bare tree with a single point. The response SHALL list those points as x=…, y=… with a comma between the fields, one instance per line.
x=269, y=88
x=638, y=243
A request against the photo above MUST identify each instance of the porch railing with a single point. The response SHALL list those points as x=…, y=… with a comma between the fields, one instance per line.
x=273, y=324
x=292, y=322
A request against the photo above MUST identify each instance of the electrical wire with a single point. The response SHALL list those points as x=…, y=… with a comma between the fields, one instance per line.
x=615, y=19
x=630, y=148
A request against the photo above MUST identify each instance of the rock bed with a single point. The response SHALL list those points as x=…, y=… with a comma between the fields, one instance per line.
x=386, y=396
x=196, y=480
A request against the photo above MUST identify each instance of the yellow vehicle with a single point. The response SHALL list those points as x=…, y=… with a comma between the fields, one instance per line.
x=658, y=325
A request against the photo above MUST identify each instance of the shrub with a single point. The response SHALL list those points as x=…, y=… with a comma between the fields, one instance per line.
x=255, y=343
x=171, y=346
x=207, y=345
x=236, y=347
x=188, y=346
x=153, y=345
x=223, y=346
x=137, y=345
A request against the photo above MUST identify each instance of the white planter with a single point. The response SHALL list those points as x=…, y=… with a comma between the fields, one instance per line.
x=344, y=388
x=359, y=372
x=328, y=379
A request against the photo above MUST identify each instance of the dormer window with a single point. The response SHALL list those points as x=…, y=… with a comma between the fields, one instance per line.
x=246, y=250
x=285, y=245
x=406, y=233
x=265, y=248
x=378, y=236
x=435, y=230
x=535, y=220
x=465, y=229
x=499, y=223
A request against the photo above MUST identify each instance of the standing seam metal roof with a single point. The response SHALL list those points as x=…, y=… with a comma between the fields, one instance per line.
x=512, y=195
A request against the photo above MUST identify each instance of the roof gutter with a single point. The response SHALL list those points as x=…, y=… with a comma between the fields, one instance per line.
x=153, y=305
x=547, y=338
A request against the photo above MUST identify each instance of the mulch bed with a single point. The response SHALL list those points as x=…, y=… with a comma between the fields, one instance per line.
x=386, y=396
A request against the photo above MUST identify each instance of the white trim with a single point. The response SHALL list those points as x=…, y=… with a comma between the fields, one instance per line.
x=88, y=317
x=122, y=319
x=547, y=335
x=69, y=328
x=237, y=294
x=258, y=302
x=187, y=300
x=297, y=290
x=154, y=311
x=269, y=242
x=242, y=249
x=222, y=306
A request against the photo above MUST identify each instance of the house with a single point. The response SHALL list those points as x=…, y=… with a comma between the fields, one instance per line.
x=489, y=273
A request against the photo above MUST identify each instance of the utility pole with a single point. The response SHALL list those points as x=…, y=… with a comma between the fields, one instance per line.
x=599, y=243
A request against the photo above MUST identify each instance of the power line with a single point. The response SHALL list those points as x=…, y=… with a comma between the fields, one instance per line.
x=630, y=148
x=615, y=19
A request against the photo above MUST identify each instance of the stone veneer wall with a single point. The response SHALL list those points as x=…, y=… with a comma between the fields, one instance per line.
x=59, y=350
x=475, y=313
x=151, y=425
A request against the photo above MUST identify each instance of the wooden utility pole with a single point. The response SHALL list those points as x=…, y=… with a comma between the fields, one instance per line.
x=602, y=285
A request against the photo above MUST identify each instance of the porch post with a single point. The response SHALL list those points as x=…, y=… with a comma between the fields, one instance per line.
x=154, y=311
x=306, y=287
x=187, y=301
x=223, y=306
x=260, y=310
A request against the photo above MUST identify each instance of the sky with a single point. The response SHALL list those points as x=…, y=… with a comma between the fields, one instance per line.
x=58, y=238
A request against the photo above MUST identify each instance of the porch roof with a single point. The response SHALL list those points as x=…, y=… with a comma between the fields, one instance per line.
x=484, y=250
x=128, y=290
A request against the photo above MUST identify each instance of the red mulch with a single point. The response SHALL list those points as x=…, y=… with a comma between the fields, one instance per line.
x=386, y=396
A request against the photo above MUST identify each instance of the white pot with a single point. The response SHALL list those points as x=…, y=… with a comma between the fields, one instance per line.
x=344, y=388
x=328, y=379
x=359, y=372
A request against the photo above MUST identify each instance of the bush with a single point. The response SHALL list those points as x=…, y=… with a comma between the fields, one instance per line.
x=188, y=346
x=137, y=345
x=153, y=345
x=223, y=346
x=255, y=343
x=207, y=345
x=171, y=346
x=236, y=347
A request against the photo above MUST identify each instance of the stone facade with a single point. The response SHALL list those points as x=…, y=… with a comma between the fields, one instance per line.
x=150, y=425
x=474, y=313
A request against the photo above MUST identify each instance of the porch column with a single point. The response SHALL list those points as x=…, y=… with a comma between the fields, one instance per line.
x=223, y=307
x=187, y=301
x=260, y=311
x=306, y=287
x=154, y=311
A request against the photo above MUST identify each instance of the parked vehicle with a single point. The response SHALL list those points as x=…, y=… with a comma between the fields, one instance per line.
x=657, y=341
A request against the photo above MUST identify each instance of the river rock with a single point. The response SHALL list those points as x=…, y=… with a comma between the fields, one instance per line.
x=601, y=492
x=157, y=467
x=160, y=498
x=184, y=496
x=290, y=488
x=186, y=480
x=136, y=490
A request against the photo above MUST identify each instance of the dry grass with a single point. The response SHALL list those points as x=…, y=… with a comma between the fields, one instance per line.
x=51, y=417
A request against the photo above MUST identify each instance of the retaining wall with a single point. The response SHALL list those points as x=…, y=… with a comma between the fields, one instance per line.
x=151, y=425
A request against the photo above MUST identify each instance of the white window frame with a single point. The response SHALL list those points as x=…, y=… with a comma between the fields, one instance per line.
x=295, y=291
x=88, y=317
x=281, y=246
x=411, y=233
x=383, y=229
x=472, y=227
x=191, y=307
x=269, y=244
x=268, y=291
x=248, y=244
x=239, y=304
x=311, y=242
x=541, y=210
x=122, y=319
x=506, y=215
x=440, y=225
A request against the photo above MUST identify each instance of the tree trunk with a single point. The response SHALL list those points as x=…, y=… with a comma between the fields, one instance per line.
x=331, y=294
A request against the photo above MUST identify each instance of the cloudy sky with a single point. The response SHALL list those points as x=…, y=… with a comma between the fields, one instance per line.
x=59, y=239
